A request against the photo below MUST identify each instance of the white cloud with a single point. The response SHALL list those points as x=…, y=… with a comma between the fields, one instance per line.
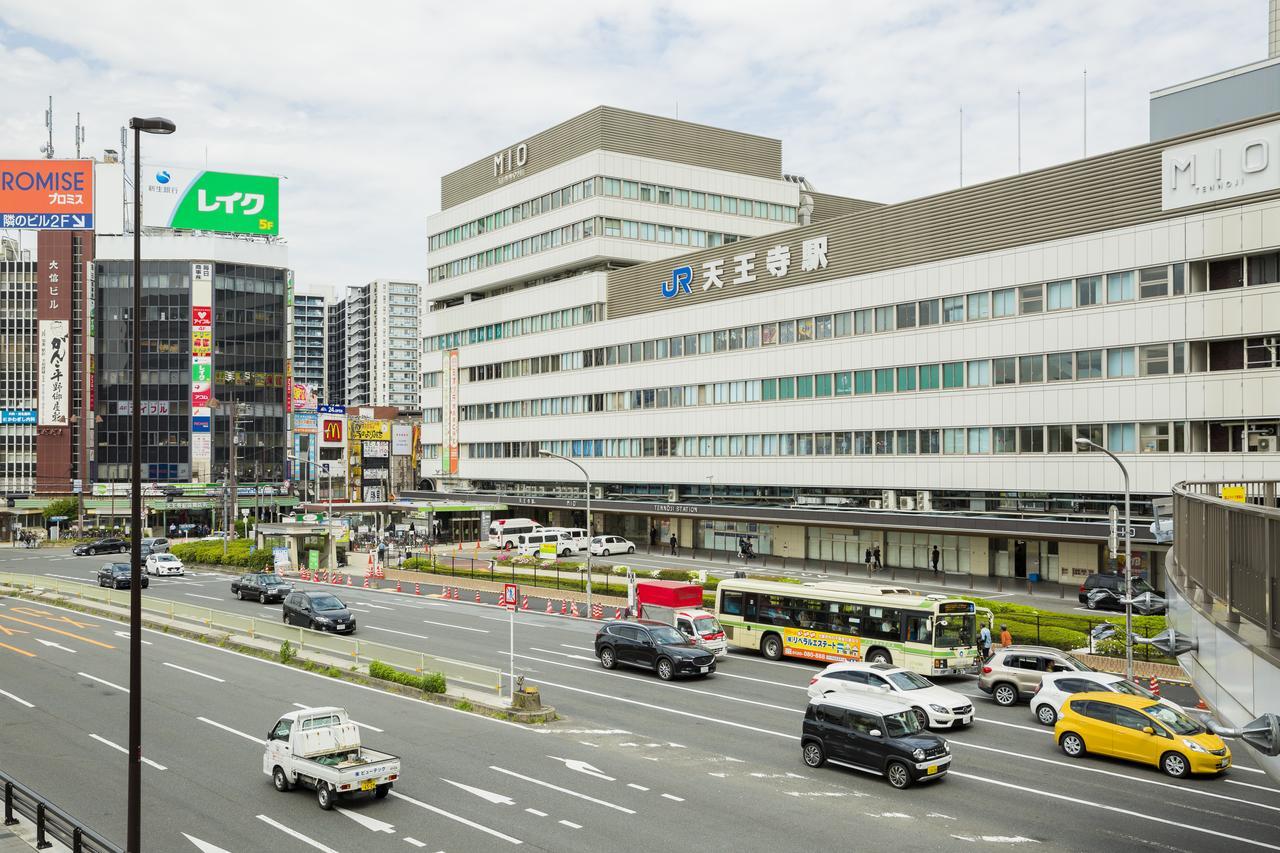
x=365, y=106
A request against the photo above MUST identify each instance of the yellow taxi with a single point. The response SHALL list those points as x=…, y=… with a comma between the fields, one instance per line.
x=1137, y=729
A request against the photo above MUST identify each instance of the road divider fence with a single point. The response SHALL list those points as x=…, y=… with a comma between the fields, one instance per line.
x=50, y=821
x=357, y=651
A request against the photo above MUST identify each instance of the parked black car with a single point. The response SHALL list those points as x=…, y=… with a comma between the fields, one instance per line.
x=878, y=734
x=118, y=575
x=110, y=545
x=652, y=645
x=1105, y=591
x=264, y=586
x=322, y=611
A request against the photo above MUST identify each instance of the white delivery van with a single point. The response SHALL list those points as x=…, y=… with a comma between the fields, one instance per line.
x=320, y=748
x=572, y=540
x=530, y=544
x=502, y=532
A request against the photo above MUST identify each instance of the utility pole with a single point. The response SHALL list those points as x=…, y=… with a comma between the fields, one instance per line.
x=79, y=135
x=47, y=148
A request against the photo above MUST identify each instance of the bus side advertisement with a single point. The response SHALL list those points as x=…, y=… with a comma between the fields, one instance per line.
x=820, y=645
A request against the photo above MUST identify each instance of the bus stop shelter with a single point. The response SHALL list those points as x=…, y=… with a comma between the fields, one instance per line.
x=296, y=535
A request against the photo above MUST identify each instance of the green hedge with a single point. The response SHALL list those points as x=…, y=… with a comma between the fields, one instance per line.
x=428, y=682
x=210, y=554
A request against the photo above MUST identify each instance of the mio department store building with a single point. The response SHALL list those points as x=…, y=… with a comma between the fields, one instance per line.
x=903, y=375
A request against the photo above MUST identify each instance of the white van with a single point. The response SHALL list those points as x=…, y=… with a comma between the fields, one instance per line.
x=573, y=540
x=530, y=544
x=502, y=532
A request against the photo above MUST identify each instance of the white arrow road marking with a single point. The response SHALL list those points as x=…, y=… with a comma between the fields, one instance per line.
x=370, y=823
x=501, y=799
x=16, y=699
x=194, y=672
x=102, y=681
x=125, y=635
x=452, y=816
x=120, y=748
x=229, y=729
x=54, y=645
x=604, y=803
x=204, y=846
x=356, y=722
x=298, y=835
x=998, y=839
x=815, y=794
x=582, y=767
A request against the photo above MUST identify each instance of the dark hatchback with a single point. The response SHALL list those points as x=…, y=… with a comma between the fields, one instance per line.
x=110, y=545
x=118, y=576
x=874, y=733
x=654, y=646
x=321, y=611
x=1105, y=591
x=263, y=586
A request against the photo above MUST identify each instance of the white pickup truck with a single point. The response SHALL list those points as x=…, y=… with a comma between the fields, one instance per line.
x=320, y=748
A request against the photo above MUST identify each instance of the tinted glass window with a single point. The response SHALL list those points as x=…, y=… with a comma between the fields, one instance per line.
x=829, y=714
x=1131, y=719
x=1102, y=711
x=863, y=722
x=1075, y=685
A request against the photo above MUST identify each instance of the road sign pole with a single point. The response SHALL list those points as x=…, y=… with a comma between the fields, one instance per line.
x=512, y=650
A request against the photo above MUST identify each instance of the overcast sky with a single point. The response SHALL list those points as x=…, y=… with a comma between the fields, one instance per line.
x=364, y=106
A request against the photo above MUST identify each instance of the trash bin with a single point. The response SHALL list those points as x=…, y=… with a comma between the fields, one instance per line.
x=1034, y=577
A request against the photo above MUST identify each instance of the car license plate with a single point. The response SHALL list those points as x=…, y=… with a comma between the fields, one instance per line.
x=932, y=770
x=342, y=624
x=703, y=668
x=1226, y=762
x=368, y=785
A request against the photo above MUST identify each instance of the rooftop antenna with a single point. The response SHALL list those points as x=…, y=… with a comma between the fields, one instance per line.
x=1019, y=131
x=79, y=135
x=962, y=146
x=1084, y=114
x=47, y=148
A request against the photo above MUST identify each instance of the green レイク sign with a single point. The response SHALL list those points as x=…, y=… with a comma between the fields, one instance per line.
x=224, y=201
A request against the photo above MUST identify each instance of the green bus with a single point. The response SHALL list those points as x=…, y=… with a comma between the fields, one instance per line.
x=832, y=621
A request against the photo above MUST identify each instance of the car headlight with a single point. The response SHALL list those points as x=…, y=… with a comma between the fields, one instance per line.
x=946, y=748
x=323, y=620
x=938, y=709
x=1193, y=746
x=918, y=754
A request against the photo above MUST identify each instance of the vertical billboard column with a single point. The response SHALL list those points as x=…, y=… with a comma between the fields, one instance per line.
x=201, y=372
x=449, y=447
x=53, y=315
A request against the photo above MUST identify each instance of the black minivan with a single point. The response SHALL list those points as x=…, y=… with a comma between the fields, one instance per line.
x=321, y=611
x=873, y=733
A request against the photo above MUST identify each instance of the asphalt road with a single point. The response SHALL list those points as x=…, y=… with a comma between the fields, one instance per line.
x=712, y=763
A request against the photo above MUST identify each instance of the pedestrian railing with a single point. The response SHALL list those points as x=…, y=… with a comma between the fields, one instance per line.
x=50, y=821
x=351, y=648
x=1229, y=550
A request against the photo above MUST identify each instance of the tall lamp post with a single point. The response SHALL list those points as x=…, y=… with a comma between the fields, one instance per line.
x=590, y=529
x=133, y=832
x=1083, y=442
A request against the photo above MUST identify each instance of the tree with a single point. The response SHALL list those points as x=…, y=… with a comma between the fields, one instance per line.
x=69, y=507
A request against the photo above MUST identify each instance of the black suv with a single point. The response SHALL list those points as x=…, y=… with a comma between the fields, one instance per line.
x=118, y=576
x=873, y=733
x=322, y=611
x=652, y=645
x=263, y=586
x=1105, y=591
x=110, y=545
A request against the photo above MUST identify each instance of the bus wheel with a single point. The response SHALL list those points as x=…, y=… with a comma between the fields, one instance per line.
x=771, y=646
x=879, y=655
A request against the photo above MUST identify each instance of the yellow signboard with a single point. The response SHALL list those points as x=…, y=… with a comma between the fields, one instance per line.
x=372, y=431
x=1233, y=493
x=547, y=550
x=820, y=645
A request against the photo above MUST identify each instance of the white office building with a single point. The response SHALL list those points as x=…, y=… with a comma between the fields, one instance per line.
x=383, y=339
x=847, y=375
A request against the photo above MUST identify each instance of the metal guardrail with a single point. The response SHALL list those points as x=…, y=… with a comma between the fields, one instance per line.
x=357, y=651
x=1231, y=550
x=50, y=820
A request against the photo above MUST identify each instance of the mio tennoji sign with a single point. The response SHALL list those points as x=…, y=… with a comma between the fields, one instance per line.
x=1221, y=167
x=745, y=268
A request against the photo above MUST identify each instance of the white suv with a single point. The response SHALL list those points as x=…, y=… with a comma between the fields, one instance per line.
x=603, y=546
x=1056, y=688
x=935, y=707
x=164, y=563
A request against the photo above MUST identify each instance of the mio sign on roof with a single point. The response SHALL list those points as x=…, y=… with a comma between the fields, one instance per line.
x=210, y=201
x=1220, y=167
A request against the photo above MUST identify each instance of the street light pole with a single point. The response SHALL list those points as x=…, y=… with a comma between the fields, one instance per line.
x=590, y=529
x=1081, y=441
x=133, y=831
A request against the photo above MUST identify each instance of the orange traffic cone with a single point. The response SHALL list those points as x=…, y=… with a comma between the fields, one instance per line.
x=397, y=586
x=417, y=590
x=366, y=581
x=548, y=605
x=477, y=596
x=1154, y=686
x=564, y=607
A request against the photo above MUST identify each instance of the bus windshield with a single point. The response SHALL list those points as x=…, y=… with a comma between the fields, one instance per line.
x=954, y=630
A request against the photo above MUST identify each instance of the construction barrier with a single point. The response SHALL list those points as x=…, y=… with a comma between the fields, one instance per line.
x=617, y=613
x=597, y=611
x=576, y=615
x=524, y=603
x=1154, y=686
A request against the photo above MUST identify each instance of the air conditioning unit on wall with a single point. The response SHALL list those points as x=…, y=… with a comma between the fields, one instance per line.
x=907, y=503
x=875, y=504
x=673, y=495
x=888, y=499
x=924, y=501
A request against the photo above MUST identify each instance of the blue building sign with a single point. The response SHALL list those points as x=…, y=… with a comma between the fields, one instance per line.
x=17, y=416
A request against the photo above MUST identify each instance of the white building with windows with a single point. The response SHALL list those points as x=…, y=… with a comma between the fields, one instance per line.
x=383, y=340
x=849, y=375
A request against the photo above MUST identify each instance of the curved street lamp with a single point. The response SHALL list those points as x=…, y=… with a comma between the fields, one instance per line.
x=590, y=530
x=1085, y=443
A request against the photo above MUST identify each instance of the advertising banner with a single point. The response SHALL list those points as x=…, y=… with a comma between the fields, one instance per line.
x=280, y=558
x=331, y=431
x=304, y=422
x=451, y=414
x=17, y=416
x=55, y=379
x=46, y=194
x=372, y=431
x=202, y=200
x=201, y=369
x=333, y=410
x=401, y=439
x=376, y=449
x=820, y=645
x=304, y=397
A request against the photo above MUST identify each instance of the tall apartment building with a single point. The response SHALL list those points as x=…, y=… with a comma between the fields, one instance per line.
x=310, y=358
x=383, y=342
x=335, y=325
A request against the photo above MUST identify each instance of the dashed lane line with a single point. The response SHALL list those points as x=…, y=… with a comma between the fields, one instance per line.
x=237, y=732
x=568, y=791
x=103, y=681
x=294, y=833
x=119, y=748
x=22, y=702
x=458, y=818
x=195, y=672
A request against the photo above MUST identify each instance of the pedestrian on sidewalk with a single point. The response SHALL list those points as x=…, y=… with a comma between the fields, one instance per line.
x=875, y=554
x=934, y=558
x=653, y=537
x=867, y=560
x=984, y=642
x=675, y=551
x=1006, y=639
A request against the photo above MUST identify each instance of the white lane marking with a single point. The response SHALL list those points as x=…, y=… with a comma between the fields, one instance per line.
x=194, y=672
x=358, y=610
x=1077, y=766
x=1250, y=769
x=1044, y=730
x=124, y=635
x=940, y=815
x=1266, y=788
x=1115, y=810
x=452, y=816
x=637, y=787
x=16, y=699
x=571, y=793
x=394, y=631
x=231, y=730
x=656, y=683
x=571, y=824
x=415, y=842
x=198, y=595
x=103, y=681
x=898, y=815
x=204, y=846
x=53, y=645
x=536, y=812
x=458, y=627
x=370, y=823
x=674, y=797
x=298, y=835
x=356, y=722
x=67, y=578
x=582, y=767
x=998, y=839
x=590, y=744
x=718, y=671
x=118, y=748
x=376, y=606
x=499, y=799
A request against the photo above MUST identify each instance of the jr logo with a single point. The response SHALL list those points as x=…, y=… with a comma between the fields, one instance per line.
x=680, y=279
